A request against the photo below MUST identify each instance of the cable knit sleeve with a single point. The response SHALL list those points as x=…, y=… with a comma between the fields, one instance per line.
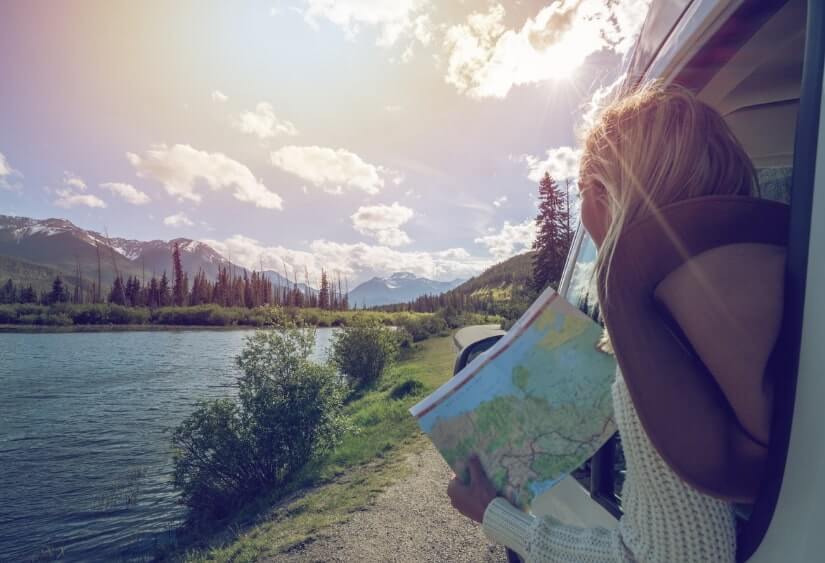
x=547, y=539
x=664, y=518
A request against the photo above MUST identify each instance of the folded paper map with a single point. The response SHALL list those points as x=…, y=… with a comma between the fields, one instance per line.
x=533, y=407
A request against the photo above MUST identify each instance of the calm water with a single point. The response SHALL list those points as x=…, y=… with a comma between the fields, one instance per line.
x=85, y=419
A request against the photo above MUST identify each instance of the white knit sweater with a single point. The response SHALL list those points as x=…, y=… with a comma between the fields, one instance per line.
x=665, y=520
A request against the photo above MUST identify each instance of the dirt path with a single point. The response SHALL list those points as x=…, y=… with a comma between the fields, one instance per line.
x=410, y=521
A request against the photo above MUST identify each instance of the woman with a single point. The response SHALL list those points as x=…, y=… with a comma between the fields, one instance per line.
x=660, y=161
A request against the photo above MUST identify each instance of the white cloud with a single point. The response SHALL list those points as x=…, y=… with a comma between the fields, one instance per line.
x=393, y=18
x=73, y=181
x=511, y=240
x=383, y=222
x=6, y=174
x=561, y=163
x=486, y=59
x=5, y=167
x=330, y=169
x=180, y=167
x=178, y=220
x=128, y=192
x=499, y=201
x=357, y=262
x=69, y=195
x=218, y=96
x=264, y=123
x=67, y=198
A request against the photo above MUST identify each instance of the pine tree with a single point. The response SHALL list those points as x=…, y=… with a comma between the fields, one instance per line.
x=163, y=291
x=28, y=295
x=247, y=292
x=118, y=294
x=178, y=290
x=58, y=293
x=323, y=293
x=553, y=234
x=153, y=295
x=8, y=293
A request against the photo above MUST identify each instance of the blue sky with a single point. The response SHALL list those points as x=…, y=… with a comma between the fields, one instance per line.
x=363, y=136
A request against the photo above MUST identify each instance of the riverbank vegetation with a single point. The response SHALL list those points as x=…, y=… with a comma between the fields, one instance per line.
x=368, y=458
x=25, y=316
x=288, y=412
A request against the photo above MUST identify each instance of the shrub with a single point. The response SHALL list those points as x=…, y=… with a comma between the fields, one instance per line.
x=8, y=314
x=120, y=315
x=55, y=319
x=404, y=338
x=92, y=314
x=363, y=350
x=288, y=411
x=406, y=388
x=415, y=328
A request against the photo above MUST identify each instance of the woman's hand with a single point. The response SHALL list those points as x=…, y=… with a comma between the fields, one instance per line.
x=471, y=500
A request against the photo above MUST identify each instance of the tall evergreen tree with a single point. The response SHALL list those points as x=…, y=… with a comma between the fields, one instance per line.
x=164, y=298
x=58, y=293
x=28, y=295
x=179, y=289
x=118, y=293
x=323, y=293
x=553, y=234
x=8, y=293
x=153, y=294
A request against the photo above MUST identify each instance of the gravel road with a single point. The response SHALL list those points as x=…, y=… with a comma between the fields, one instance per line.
x=411, y=521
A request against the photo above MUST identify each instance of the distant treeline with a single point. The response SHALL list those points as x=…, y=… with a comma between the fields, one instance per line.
x=228, y=290
x=508, y=289
x=484, y=303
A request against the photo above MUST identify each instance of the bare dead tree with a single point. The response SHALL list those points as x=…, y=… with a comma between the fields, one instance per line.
x=111, y=251
x=308, y=288
x=99, y=282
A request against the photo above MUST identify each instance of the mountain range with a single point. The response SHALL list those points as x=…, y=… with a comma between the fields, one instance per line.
x=400, y=287
x=34, y=251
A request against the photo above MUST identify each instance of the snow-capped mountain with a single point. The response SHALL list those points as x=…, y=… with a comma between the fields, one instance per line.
x=60, y=244
x=400, y=287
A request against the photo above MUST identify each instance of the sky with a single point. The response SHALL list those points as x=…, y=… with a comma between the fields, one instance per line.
x=360, y=136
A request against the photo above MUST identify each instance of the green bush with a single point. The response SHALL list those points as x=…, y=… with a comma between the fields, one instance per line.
x=8, y=314
x=55, y=319
x=363, y=350
x=90, y=314
x=288, y=412
x=404, y=338
x=120, y=315
x=406, y=388
x=29, y=319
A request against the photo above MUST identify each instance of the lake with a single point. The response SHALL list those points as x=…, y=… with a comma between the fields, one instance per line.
x=85, y=420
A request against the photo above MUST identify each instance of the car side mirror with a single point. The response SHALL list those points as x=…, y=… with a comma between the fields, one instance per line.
x=473, y=350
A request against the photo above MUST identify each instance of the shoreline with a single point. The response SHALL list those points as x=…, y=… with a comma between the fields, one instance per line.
x=12, y=328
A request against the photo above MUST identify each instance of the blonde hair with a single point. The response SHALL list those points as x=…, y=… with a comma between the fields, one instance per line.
x=656, y=146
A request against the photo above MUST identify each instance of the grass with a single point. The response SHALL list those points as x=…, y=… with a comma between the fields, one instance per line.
x=367, y=461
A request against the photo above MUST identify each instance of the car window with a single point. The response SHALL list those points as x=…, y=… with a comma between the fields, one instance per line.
x=775, y=183
x=581, y=289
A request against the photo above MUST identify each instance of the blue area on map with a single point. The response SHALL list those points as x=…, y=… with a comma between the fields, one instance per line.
x=556, y=374
x=539, y=487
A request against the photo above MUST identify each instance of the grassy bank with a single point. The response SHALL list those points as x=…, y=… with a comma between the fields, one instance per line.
x=364, y=464
x=68, y=316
